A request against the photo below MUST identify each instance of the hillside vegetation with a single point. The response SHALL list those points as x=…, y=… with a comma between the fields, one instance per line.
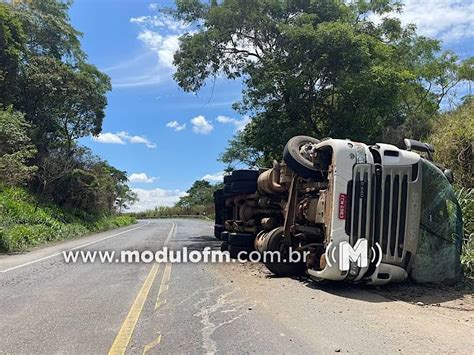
x=25, y=221
x=52, y=187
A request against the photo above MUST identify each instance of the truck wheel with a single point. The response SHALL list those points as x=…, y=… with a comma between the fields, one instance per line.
x=241, y=175
x=244, y=187
x=297, y=162
x=234, y=252
x=225, y=236
x=227, y=179
x=218, y=229
x=227, y=190
x=275, y=242
x=241, y=239
x=224, y=246
x=219, y=198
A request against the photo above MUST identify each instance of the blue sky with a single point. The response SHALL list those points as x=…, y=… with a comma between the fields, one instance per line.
x=164, y=138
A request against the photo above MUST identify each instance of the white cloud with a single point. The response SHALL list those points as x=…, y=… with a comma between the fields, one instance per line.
x=108, y=138
x=149, y=199
x=122, y=138
x=163, y=46
x=176, y=126
x=239, y=124
x=160, y=21
x=137, y=139
x=153, y=6
x=217, y=177
x=224, y=119
x=448, y=20
x=160, y=37
x=201, y=125
x=141, y=178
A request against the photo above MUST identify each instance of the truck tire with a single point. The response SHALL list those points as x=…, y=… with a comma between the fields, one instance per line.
x=275, y=242
x=227, y=179
x=297, y=162
x=243, y=175
x=225, y=246
x=219, y=198
x=241, y=239
x=225, y=236
x=227, y=190
x=244, y=187
x=218, y=229
x=234, y=251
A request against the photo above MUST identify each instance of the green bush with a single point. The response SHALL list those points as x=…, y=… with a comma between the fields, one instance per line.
x=27, y=222
x=466, y=201
x=453, y=139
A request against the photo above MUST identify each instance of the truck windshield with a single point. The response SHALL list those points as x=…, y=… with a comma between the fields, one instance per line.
x=440, y=211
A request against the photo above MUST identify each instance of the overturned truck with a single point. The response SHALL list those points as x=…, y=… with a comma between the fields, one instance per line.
x=355, y=212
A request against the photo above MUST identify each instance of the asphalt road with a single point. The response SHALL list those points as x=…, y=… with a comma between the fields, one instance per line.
x=49, y=306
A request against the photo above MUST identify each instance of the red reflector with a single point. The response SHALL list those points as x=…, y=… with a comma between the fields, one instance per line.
x=342, y=206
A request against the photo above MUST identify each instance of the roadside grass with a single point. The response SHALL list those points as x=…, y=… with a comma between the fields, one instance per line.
x=27, y=222
x=466, y=201
x=191, y=216
x=205, y=212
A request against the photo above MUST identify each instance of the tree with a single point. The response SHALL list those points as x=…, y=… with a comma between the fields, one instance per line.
x=12, y=41
x=63, y=102
x=45, y=76
x=48, y=29
x=314, y=67
x=15, y=148
x=62, y=95
x=199, y=194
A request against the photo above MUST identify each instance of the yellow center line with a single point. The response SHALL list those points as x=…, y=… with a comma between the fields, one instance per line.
x=164, y=284
x=124, y=335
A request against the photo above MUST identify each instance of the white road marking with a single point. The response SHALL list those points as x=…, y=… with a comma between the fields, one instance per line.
x=78, y=247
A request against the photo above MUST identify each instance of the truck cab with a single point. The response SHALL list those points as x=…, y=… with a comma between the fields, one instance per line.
x=358, y=212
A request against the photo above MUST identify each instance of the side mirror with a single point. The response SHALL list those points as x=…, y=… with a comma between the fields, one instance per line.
x=449, y=175
x=412, y=144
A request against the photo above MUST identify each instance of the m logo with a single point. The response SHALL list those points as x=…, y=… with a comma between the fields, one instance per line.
x=358, y=254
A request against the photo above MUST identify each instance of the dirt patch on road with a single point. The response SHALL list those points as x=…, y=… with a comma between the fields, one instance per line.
x=459, y=297
x=456, y=298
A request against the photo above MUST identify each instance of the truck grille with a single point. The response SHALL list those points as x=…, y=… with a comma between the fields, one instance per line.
x=377, y=208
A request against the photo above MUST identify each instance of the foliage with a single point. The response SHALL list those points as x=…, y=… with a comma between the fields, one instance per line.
x=453, y=139
x=198, y=201
x=15, y=148
x=63, y=103
x=11, y=45
x=175, y=211
x=25, y=221
x=78, y=179
x=48, y=29
x=465, y=197
x=316, y=67
x=199, y=194
x=56, y=97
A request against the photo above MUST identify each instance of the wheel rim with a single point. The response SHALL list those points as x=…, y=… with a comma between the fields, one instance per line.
x=306, y=151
